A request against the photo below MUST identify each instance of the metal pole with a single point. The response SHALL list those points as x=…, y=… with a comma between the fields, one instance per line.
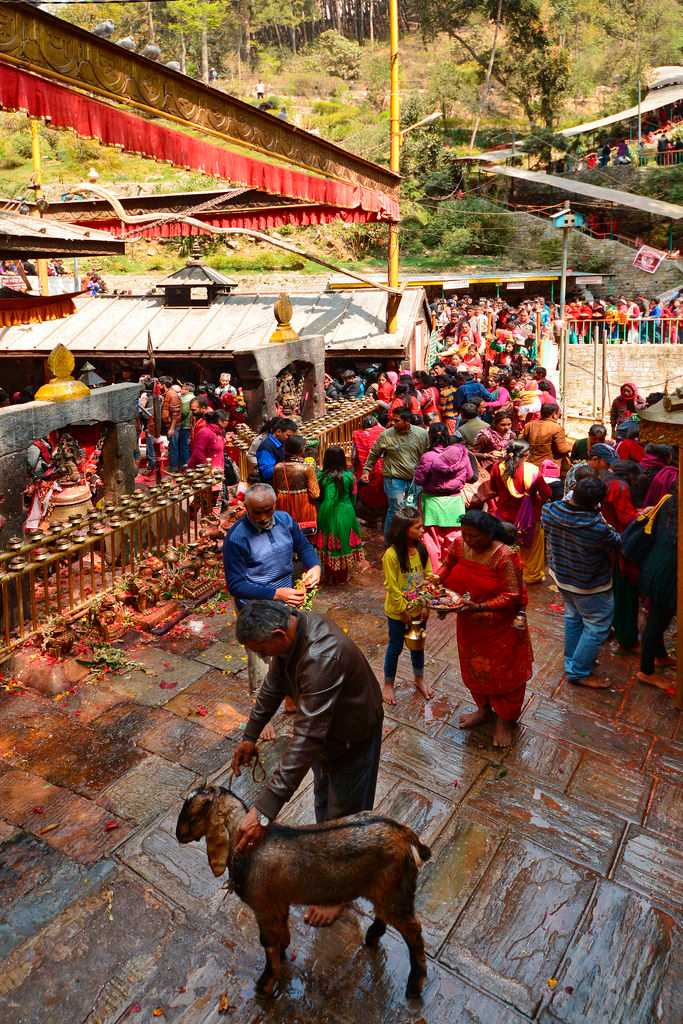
x=77, y=276
x=604, y=376
x=394, y=165
x=563, y=335
x=640, y=119
x=38, y=181
x=678, y=697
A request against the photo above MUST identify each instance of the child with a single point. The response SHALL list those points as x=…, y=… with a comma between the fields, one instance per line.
x=405, y=564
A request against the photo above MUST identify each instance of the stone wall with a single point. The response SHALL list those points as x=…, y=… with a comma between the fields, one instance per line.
x=648, y=366
x=532, y=236
x=20, y=425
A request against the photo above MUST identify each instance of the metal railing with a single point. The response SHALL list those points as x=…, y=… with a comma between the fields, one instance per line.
x=625, y=331
x=63, y=572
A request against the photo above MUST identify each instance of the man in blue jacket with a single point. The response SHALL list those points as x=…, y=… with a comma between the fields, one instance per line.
x=271, y=449
x=258, y=557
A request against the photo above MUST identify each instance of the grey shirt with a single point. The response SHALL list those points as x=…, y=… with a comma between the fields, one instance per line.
x=400, y=453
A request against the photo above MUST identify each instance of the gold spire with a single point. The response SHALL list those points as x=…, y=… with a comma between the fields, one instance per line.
x=62, y=387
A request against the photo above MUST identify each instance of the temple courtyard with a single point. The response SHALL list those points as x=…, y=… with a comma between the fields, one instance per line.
x=554, y=893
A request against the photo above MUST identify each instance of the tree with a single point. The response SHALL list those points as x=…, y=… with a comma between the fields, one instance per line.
x=527, y=64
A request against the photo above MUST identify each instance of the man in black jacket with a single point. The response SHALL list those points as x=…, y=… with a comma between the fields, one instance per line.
x=337, y=727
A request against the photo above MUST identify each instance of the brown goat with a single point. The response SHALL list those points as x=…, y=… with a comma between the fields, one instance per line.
x=364, y=855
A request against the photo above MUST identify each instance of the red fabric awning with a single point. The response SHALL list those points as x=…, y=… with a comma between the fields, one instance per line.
x=113, y=127
x=35, y=309
x=260, y=220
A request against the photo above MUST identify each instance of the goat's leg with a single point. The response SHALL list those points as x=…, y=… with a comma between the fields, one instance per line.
x=274, y=935
x=375, y=932
x=411, y=930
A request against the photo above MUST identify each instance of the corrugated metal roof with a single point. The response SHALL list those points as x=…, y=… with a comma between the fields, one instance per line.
x=605, y=195
x=108, y=325
x=656, y=98
x=31, y=234
x=195, y=274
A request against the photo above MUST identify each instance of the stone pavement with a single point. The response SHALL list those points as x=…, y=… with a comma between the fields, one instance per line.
x=555, y=891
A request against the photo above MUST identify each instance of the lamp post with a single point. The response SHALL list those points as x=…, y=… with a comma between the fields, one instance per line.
x=37, y=183
x=565, y=220
x=394, y=165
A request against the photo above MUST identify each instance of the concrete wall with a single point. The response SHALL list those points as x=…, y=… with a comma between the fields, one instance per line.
x=648, y=366
x=22, y=424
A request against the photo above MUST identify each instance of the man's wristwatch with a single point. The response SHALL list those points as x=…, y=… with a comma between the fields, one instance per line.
x=263, y=820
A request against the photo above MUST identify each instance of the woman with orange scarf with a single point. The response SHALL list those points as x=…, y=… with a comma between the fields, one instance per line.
x=519, y=494
x=494, y=647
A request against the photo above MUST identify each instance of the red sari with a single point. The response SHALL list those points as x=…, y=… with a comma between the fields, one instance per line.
x=495, y=656
x=371, y=494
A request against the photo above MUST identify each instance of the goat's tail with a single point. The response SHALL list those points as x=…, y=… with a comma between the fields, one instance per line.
x=423, y=851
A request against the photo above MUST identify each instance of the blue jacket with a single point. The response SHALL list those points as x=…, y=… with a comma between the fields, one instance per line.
x=270, y=452
x=472, y=391
x=258, y=562
x=580, y=545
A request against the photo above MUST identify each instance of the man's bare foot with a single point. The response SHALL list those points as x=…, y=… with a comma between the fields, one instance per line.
x=323, y=917
x=425, y=689
x=652, y=679
x=388, y=695
x=475, y=718
x=592, y=682
x=290, y=706
x=503, y=733
x=268, y=733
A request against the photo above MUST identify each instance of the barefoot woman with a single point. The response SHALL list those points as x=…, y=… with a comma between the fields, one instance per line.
x=493, y=639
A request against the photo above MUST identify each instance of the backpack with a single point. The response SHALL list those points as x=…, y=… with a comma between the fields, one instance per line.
x=638, y=538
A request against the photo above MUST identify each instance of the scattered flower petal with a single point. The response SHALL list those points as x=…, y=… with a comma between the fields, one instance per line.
x=202, y=711
x=552, y=982
x=166, y=684
x=38, y=810
x=109, y=826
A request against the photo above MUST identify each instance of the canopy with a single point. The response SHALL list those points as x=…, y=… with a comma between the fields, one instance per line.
x=655, y=99
x=605, y=195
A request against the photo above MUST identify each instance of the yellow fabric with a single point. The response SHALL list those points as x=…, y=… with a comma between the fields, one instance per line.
x=37, y=314
x=650, y=514
x=396, y=581
x=530, y=474
x=533, y=558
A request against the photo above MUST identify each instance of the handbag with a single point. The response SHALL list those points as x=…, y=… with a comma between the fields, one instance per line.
x=477, y=492
x=638, y=538
x=411, y=496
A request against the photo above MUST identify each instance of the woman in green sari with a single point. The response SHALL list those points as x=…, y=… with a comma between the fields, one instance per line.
x=338, y=539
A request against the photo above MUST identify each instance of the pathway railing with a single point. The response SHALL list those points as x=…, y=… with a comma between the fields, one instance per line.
x=625, y=330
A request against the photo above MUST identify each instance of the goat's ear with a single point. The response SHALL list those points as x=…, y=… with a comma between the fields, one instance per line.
x=217, y=839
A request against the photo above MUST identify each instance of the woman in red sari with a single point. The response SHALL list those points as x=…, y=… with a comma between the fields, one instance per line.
x=494, y=646
x=372, y=494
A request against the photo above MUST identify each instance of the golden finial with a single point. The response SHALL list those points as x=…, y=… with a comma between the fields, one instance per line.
x=62, y=387
x=283, y=314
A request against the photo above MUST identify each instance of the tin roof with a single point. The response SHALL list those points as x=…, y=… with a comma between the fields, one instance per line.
x=32, y=237
x=606, y=195
x=195, y=275
x=118, y=325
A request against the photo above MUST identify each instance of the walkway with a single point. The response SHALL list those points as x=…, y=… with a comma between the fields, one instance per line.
x=555, y=891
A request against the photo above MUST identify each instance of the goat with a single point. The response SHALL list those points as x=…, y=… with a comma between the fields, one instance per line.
x=364, y=855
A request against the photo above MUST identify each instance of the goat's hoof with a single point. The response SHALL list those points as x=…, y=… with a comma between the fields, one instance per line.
x=266, y=985
x=415, y=986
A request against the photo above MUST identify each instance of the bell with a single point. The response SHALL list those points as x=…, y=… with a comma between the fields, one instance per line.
x=415, y=635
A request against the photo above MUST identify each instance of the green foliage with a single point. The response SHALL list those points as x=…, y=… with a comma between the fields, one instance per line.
x=337, y=55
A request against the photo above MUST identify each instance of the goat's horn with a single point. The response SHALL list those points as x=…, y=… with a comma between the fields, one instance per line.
x=204, y=782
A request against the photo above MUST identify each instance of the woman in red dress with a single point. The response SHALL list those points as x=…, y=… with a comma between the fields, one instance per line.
x=494, y=646
x=371, y=495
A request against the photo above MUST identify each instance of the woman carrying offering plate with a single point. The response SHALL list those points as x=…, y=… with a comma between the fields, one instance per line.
x=494, y=647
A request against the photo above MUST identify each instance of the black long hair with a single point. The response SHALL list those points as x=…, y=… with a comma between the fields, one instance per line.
x=515, y=454
x=492, y=526
x=438, y=436
x=334, y=467
x=398, y=537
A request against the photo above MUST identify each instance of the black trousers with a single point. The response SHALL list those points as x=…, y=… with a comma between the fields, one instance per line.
x=347, y=785
x=652, y=646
